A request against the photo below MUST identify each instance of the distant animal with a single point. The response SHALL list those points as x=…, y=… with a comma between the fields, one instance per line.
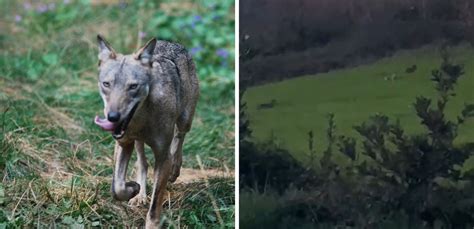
x=392, y=77
x=269, y=105
x=411, y=69
x=149, y=98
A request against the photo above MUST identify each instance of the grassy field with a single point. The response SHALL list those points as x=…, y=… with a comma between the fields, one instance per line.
x=56, y=165
x=352, y=95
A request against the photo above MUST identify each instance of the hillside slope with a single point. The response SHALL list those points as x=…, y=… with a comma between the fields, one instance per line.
x=354, y=94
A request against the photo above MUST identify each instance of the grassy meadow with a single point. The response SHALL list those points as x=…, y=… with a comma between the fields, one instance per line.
x=56, y=165
x=353, y=95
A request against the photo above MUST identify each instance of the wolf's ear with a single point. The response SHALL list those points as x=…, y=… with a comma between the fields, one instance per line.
x=106, y=52
x=146, y=52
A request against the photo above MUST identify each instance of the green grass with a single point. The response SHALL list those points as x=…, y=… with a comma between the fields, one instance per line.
x=56, y=164
x=257, y=210
x=353, y=95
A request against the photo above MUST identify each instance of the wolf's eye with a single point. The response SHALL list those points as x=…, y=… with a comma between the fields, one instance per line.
x=106, y=84
x=133, y=86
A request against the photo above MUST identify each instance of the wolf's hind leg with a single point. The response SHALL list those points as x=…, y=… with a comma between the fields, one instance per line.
x=141, y=167
x=176, y=154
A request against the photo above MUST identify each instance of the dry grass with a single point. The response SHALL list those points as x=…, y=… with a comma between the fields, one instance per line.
x=58, y=180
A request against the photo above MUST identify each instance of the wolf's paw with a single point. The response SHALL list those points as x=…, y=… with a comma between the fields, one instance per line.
x=174, y=173
x=124, y=193
x=138, y=200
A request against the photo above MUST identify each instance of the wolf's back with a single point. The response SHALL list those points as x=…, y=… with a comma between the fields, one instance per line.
x=180, y=57
x=188, y=80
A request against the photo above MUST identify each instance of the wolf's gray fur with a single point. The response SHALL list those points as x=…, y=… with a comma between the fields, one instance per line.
x=149, y=98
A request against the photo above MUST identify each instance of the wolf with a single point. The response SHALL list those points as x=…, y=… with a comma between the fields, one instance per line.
x=269, y=105
x=411, y=69
x=149, y=98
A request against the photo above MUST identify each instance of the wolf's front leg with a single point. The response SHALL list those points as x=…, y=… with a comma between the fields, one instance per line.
x=141, y=167
x=122, y=190
x=162, y=170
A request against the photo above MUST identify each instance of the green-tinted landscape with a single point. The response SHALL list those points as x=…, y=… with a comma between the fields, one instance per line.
x=349, y=118
x=55, y=164
x=353, y=95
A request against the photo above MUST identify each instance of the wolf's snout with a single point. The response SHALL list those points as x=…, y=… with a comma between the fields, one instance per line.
x=113, y=116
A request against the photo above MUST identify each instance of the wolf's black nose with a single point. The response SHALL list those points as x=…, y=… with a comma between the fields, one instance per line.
x=113, y=116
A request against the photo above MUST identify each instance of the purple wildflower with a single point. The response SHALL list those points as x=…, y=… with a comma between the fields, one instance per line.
x=141, y=34
x=42, y=8
x=195, y=50
x=18, y=18
x=196, y=19
x=66, y=2
x=27, y=6
x=222, y=53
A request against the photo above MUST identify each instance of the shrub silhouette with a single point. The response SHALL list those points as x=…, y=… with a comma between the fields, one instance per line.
x=413, y=165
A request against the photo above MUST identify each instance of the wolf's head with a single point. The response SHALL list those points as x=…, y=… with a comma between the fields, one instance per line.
x=123, y=84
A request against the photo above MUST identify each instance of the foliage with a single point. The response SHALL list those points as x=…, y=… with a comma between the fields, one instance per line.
x=414, y=165
x=244, y=124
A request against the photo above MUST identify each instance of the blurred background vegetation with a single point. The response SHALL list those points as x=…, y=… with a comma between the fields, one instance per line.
x=56, y=164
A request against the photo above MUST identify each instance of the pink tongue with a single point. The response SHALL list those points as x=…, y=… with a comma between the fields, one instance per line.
x=104, y=124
